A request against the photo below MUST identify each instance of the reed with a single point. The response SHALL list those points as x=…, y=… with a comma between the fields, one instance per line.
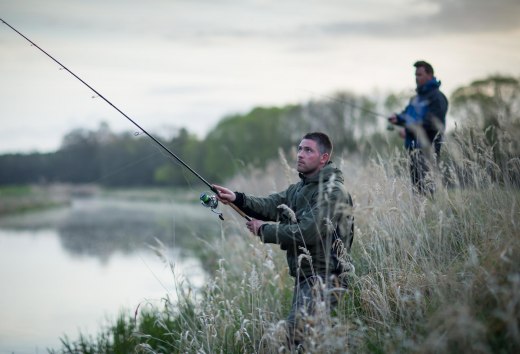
x=432, y=275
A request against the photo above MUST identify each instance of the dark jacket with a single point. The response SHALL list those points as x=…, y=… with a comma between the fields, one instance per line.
x=424, y=118
x=324, y=225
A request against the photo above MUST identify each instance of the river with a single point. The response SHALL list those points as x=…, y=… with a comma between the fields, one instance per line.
x=74, y=269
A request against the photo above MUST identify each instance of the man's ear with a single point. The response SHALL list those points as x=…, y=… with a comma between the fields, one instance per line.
x=324, y=158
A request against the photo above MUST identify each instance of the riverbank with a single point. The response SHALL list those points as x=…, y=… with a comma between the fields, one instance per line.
x=26, y=198
x=23, y=198
x=435, y=275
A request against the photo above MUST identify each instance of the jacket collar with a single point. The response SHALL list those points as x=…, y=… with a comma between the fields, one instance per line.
x=429, y=86
x=324, y=175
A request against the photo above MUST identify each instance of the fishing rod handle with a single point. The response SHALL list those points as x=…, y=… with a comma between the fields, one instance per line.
x=237, y=209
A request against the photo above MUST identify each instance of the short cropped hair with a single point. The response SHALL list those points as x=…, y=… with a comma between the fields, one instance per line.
x=423, y=64
x=323, y=141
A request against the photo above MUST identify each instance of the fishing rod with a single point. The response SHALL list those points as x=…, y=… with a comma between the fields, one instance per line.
x=359, y=107
x=349, y=103
x=206, y=200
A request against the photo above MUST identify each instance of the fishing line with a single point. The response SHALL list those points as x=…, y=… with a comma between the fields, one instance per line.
x=350, y=103
x=125, y=167
x=141, y=129
x=389, y=126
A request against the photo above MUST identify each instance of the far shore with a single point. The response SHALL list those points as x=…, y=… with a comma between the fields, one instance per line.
x=26, y=198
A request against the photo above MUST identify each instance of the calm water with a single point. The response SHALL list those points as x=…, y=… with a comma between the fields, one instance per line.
x=69, y=270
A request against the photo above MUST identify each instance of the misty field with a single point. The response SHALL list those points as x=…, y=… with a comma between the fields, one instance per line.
x=429, y=275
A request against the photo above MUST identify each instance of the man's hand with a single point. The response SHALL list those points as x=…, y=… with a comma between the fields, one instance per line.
x=254, y=225
x=225, y=195
x=393, y=119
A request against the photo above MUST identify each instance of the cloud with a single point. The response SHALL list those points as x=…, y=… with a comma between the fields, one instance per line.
x=193, y=61
x=178, y=90
x=477, y=15
x=437, y=17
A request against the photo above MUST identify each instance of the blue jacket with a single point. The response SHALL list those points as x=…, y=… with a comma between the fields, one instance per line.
x=424, y=118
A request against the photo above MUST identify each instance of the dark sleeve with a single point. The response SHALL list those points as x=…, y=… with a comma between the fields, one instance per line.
x=435, y=120
x=312, y=225
x=264, y=209
x=400, y=120
x=401, y=117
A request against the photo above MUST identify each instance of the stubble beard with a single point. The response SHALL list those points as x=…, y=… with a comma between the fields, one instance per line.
x=305, y=170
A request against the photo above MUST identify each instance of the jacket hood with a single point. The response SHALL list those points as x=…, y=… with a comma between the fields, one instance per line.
x=430, y=85
x=325, y=174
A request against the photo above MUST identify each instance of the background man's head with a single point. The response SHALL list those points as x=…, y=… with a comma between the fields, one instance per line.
x=423, y=72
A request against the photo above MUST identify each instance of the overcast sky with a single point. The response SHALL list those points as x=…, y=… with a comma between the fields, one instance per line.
x=171, y=63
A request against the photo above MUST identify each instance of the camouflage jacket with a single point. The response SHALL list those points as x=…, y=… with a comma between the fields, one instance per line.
x=313, y=222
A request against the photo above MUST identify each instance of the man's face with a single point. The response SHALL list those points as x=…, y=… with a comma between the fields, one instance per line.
x=310, y=160
x=421, y=77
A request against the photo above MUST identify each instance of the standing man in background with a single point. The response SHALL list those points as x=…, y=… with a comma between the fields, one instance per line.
x=313, y=224
x=424, y=122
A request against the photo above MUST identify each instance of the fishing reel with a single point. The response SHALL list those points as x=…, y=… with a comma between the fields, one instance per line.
x=210, y=201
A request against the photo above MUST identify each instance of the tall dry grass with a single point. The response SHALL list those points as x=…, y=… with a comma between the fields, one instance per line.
x=432, y=275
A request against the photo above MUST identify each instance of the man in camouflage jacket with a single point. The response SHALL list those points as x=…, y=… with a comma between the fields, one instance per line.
x=312, y=222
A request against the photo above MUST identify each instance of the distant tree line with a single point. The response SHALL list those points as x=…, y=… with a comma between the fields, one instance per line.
x=490, y=106
x=238, y=141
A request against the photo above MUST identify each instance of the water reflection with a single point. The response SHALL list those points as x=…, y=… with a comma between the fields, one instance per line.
x=65, y=270
x=100, y=227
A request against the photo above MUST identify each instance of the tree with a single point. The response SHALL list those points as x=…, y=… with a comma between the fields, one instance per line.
x=347, y=118
x=76, y=159
x=489, y=112
x=491, y=102
x=249, y=140
x=187, y=147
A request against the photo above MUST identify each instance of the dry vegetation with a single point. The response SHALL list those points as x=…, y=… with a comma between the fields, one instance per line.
x=437, y=275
